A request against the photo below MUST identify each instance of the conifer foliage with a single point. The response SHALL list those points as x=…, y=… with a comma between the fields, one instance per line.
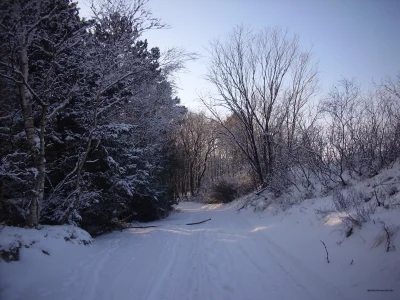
x=86, y=113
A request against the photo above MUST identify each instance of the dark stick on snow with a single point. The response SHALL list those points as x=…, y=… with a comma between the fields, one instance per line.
x=151, y=226
x=198, y=222
x=389, y=234
x=327, y=256
x=121, y=225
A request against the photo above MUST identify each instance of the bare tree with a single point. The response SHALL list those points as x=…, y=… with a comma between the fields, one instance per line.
x=362, y=131
x=197, y=139
x=343, y=110
x=389, y=101
x=264, y=79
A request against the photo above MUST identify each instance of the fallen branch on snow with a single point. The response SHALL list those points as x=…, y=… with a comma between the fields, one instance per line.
x=150, y=226
x=195, y=223
x=123, y=225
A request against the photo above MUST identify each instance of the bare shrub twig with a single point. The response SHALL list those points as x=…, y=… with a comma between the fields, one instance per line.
x=327, y=254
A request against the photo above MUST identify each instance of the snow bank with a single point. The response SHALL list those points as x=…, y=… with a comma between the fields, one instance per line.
x=47, y=239
x=44, y=255
x=359, y=265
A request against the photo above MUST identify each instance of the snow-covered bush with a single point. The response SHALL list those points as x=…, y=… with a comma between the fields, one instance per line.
x=228, y=188
x=357, y=205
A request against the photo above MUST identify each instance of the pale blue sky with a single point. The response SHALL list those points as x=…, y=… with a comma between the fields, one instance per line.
x=353, y=38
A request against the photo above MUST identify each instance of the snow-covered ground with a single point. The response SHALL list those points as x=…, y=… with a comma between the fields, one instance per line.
x=273, y=255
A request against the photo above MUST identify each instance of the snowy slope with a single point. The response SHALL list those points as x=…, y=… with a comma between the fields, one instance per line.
x=272, y=255
x=356, y=266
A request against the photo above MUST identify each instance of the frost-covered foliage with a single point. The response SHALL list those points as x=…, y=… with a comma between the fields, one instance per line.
x=42, y=44
x=87, y=113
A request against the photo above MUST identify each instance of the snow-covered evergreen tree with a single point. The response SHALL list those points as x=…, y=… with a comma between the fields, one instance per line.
x=96, y=106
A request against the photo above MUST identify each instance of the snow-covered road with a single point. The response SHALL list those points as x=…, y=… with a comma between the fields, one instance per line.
x=225, y=258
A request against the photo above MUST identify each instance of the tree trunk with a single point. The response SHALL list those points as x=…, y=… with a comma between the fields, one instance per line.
x=37, y=153
x=191, y=179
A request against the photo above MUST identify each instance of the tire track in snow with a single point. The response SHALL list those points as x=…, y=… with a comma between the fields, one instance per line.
x=76, y=275
x=164, y=283
x=221, y=259
x=92, y=278
x=171, y=278
x=124, y=267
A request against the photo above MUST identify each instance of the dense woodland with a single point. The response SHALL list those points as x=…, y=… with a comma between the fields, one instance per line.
x=91, y=130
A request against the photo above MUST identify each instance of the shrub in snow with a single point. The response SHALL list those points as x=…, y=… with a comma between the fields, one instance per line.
x=226, y=188
x=387, y=236
x=340, y=202
x=356, y=204
x=223, y=191
x=10, y=252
